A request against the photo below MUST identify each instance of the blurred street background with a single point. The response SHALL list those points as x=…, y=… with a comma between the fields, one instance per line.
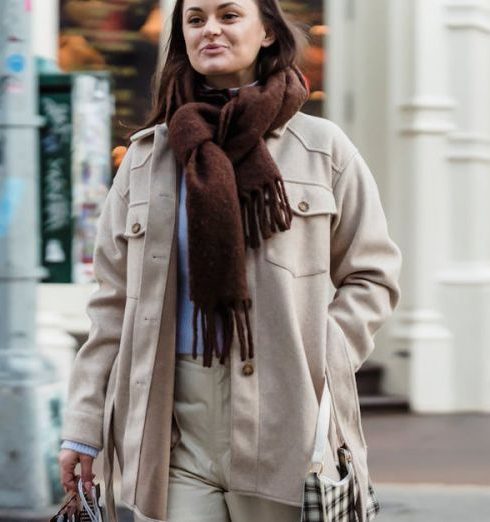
x=407, y=80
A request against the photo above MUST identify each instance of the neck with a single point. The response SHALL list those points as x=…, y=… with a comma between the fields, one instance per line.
x=229, y=82
x=207, y=86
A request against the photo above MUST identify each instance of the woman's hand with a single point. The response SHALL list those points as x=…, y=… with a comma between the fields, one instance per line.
x=68, y=460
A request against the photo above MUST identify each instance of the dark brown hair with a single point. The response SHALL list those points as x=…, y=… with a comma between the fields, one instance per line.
x=287, y=50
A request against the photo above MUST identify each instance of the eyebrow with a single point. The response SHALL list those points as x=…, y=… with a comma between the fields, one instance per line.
x=221, y=6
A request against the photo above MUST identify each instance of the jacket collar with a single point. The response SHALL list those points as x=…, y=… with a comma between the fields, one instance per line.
x=277, y=133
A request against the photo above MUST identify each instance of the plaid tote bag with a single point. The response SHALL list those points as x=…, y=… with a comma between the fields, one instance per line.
x=326, y=499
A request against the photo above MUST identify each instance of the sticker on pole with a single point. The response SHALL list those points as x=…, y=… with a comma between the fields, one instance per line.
x=15, y=63
x=11, y=194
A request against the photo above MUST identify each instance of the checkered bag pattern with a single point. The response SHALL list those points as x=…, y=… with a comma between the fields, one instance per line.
x=373, y=506
x=326, y=500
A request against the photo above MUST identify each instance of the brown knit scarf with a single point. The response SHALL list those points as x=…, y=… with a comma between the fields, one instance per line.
x=235, y=194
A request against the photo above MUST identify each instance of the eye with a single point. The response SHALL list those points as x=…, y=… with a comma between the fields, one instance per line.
x=194, y=20
x=230, y=16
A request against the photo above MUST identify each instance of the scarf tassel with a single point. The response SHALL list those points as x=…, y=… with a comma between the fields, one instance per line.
x=264, y=212
x=236, y=314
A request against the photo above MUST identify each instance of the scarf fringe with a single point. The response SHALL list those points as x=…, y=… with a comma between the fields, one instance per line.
x=264, y=212
x=233, y=315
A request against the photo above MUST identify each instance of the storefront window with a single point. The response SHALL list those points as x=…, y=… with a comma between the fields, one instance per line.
x=119, y=36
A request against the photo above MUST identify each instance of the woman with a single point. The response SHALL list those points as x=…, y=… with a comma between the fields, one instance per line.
x=227, y=220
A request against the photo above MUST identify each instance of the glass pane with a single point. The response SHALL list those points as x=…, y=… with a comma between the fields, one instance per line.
x=120, y=36
x=311, y=15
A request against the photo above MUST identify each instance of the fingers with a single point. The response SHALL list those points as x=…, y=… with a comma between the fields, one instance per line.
x=68, y=460
x=86, y=471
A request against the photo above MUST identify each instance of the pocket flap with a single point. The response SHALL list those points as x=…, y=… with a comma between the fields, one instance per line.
x=136, y=220
x=307, y=199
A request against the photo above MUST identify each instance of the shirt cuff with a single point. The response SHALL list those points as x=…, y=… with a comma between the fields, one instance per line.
x=80, y=448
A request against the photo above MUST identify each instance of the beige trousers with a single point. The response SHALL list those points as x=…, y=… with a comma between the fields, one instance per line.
x=200, y=462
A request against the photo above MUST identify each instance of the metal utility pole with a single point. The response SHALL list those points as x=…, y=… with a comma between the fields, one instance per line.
x=29, y=391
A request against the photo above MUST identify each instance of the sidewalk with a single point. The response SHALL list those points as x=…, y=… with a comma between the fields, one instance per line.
x=430, y=468
x=433, y=503
x=438, y=449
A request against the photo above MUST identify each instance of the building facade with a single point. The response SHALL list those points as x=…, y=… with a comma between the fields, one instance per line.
x=409, y=82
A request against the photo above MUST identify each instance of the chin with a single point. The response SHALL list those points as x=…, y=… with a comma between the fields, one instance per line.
x=215, y=70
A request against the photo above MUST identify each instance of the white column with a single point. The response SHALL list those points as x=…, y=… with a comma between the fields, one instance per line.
x=340, y=71
x=465, y=283
x=359, y=83
x=45, y=28
x=421, y=113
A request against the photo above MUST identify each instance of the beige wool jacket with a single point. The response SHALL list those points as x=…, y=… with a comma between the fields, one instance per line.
x=121, y=389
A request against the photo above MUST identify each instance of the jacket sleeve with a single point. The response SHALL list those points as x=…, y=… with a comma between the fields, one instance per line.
x=365, y=262
x=83, y=420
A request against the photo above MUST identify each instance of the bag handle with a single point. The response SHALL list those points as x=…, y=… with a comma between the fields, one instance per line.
x=92, y=514
x=321, y=434
x=322, y=425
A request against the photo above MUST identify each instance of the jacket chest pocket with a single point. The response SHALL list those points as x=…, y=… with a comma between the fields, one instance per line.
x=304, y=249
x=135, y=233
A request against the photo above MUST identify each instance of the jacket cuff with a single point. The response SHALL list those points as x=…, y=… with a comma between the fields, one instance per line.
x=84, y=428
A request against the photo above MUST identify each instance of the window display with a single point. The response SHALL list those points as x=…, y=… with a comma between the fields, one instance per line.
x=119, y=36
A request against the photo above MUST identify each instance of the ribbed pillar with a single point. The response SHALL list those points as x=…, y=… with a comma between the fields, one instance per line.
x=421, y=118
x=465, y=281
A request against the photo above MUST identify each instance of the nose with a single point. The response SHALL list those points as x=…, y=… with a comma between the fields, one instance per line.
x=212, y=27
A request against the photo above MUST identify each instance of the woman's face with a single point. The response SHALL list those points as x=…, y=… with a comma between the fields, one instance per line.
x=223, y=40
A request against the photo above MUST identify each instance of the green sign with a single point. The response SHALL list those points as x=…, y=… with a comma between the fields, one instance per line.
x=56, y=191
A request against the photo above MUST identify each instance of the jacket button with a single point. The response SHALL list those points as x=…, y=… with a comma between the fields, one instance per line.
x=136, y=228
x=303, y=206
x=247, y=369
